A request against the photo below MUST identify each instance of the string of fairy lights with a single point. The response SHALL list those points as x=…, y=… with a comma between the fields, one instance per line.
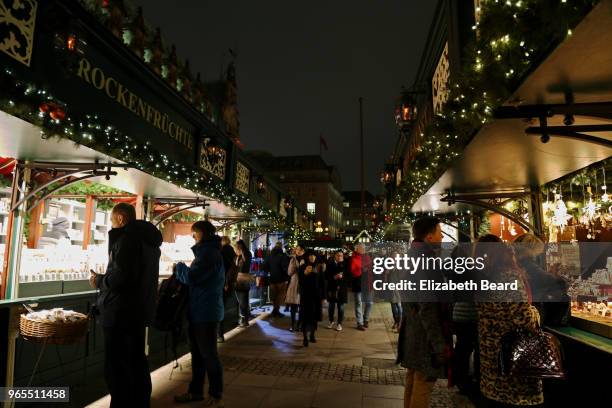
x=36, y=105
x=510, y=38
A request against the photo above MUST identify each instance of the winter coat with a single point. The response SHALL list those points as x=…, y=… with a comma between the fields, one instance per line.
x=360, y=268
x=310, y=296
x=425, y=331
x=276, y=265
x=205, y=278
x=128, y=290
x=502, y=314
x=337, y=289
x=549, y=293
x=293, y=290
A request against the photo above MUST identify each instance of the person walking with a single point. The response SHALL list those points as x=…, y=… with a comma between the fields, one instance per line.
x=228, y=254
x=336, y=278
x=395, y=299
x=310, y=297
x=499, y=314
x=425, y=341
x=205, y=278
x=243, y=282
x=126, y=305
x=361, y=285
x=293, y=290
x=276, y=265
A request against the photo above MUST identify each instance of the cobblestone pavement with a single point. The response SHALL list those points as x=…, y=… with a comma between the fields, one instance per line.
x=321, y=371
x=267, y=366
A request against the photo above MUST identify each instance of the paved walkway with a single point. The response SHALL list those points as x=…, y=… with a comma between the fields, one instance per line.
x=265, y=365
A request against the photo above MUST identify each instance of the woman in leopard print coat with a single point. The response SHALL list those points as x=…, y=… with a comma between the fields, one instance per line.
x=498, y=314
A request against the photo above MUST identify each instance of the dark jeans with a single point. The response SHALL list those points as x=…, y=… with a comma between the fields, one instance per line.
x=467, y=343
x=126, y=369
x=294, y=310
x=226, y=296
x=331, y=309
x=243, y=304
x=396, y=309
x=205, y=359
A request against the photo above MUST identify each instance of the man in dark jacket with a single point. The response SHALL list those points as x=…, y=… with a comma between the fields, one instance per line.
x=128, y=293
x=205, y=278
x=423, y=344
x=229, y=263
x=276, y=265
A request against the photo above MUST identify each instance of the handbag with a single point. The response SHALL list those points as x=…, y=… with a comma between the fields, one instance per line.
x=531, y=354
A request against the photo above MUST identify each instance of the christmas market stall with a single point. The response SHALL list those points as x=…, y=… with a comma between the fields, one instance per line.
x=507, y=130
x=96, y=109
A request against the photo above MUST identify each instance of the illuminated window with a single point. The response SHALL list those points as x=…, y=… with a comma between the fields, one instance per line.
x=311, y=207
x=346, y=204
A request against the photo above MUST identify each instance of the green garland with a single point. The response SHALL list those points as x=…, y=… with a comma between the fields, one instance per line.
x=512, y=38
x=23, y=99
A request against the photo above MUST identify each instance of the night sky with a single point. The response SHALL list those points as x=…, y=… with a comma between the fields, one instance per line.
x=301, y=67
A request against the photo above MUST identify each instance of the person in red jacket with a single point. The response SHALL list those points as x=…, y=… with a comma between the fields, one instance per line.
x=361, y=285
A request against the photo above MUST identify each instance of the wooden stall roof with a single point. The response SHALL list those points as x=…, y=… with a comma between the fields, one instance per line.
x=502, y=157
x=22, y=140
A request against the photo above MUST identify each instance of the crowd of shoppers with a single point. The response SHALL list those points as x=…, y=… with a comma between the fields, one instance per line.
x=437, y=339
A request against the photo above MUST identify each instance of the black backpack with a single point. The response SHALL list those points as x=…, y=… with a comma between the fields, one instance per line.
x=172, y=302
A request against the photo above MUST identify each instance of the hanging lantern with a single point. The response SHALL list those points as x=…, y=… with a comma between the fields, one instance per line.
x=261, y=185
x=386, y=177
x=406, y=111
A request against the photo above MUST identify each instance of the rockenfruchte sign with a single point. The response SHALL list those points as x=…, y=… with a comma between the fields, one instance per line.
x=121, y=94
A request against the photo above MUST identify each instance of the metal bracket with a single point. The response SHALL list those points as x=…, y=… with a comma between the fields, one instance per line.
x=176, y=205
x=476, y=200
x=568, y=110
x=571, y=132
x=64, y=173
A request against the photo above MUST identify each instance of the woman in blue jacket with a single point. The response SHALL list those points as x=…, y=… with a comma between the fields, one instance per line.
x=205, y=279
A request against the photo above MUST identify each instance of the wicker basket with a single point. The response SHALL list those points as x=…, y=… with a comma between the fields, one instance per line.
x=53, y=333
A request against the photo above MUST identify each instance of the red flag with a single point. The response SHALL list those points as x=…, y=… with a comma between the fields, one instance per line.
x=323, y=143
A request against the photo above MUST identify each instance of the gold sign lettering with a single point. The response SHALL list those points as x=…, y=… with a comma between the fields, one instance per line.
x=115, y=90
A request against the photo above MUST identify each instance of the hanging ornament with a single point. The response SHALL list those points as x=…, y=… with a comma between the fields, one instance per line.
x=560, y=217
x=604, y=197
x=591, y=208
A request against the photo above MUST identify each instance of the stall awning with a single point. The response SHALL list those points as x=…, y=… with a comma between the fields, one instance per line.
x=22, y=140
x=503, y=158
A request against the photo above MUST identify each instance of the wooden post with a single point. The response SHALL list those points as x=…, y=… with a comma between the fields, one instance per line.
x=35, y=225
x=90, y=210
x=140, y=210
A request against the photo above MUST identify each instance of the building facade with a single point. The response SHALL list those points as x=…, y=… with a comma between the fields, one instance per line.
x=312, y=183
x=353, y=224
